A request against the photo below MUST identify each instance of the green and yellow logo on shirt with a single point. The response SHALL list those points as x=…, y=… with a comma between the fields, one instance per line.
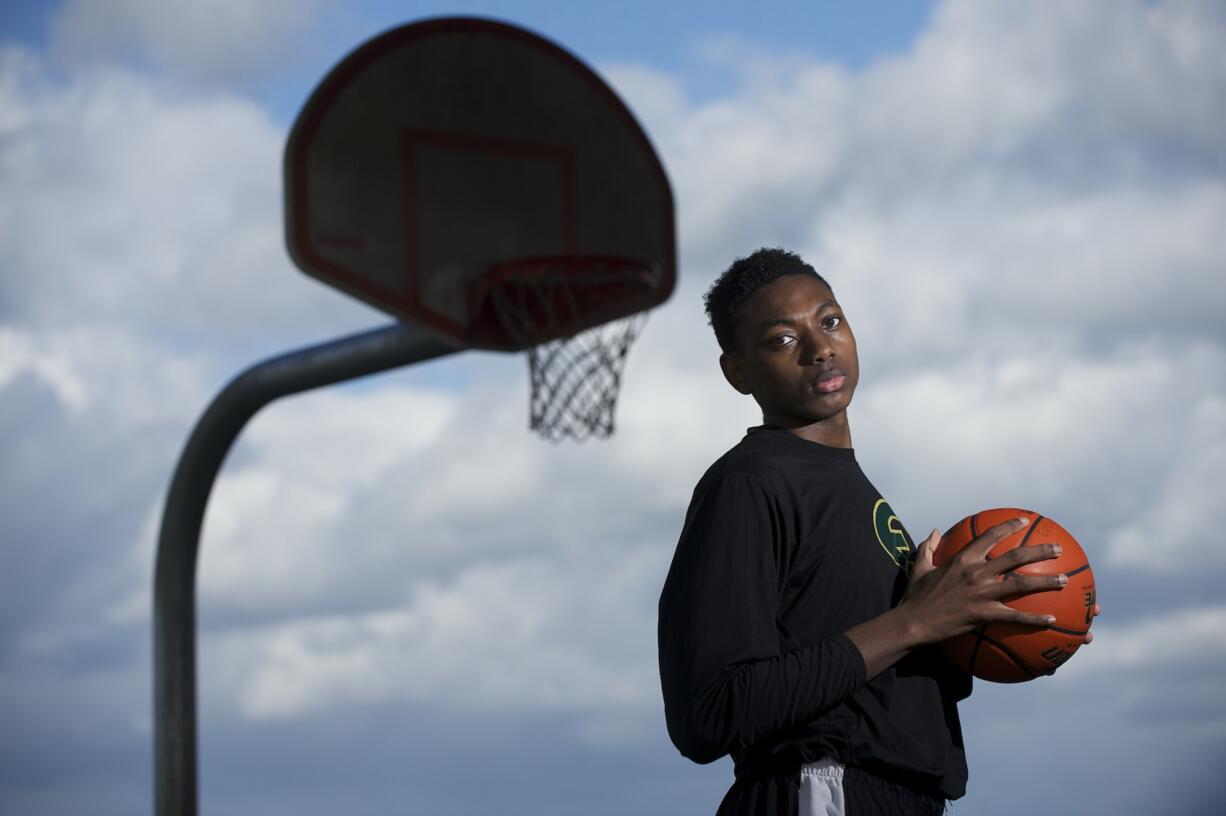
x=890, y=533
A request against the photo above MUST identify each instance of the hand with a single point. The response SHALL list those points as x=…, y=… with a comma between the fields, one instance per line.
x=967, y=590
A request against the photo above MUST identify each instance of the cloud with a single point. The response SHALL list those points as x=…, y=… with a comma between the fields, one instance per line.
x=1061, y=433
x=141, y=229
x=1184, y=641
x=1154, y=682
x=1005, y=159
x=521, y=633
x=997, y=85
x=1004, y=265
x=131, y=204
x=270, y=540
x=1022, y=223
x=1175, y=531
x=199, y=39
x=76, y=488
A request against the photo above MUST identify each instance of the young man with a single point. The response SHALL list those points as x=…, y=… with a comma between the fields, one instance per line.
x=797, y=618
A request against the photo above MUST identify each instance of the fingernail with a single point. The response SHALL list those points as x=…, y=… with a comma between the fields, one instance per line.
x=1024, y=520
x=1050, y=619
x=1057, y=549
x=1062, y=579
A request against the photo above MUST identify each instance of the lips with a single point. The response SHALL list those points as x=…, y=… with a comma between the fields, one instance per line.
x=829, y=381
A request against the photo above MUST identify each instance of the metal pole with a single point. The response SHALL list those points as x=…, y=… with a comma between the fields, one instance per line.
x=174, y=590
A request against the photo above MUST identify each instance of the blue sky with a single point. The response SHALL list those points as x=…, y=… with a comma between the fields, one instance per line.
x=668, y=36
x=408, y=603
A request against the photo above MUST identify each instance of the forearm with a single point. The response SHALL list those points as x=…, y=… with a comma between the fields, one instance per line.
x=885, y=639
x=748, y=702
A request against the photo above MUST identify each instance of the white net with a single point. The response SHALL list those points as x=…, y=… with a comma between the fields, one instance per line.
x=575, y=380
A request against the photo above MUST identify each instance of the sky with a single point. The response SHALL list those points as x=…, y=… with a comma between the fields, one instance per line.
x=409, y=603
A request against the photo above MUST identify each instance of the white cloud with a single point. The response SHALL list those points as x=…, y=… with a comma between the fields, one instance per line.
x=1176, y=530
x=105, y=374
x=203, y=39
x=128, y=203
x=998, y=266
x=141, y=230
x=1032, y=84
x=1060, y=430
x=1006, y=162
x=1189, y=639
x=1022, y=222
x=1154, y=681
x=521, y=633
x=18, y=354
x=269, y=541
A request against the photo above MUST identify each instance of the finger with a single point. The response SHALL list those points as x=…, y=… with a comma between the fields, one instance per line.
x=928, y=547
x=1010, y=615
x=922, y=564
x=1089, y=636
x=981, y=546
x=924, y=553
x=1016, y=585
x=1020, y=556
x=1095, y=611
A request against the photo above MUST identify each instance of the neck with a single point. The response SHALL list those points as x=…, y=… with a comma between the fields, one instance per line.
x=834, y=431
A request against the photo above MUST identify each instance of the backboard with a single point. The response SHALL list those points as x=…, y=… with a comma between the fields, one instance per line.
x=443, y=156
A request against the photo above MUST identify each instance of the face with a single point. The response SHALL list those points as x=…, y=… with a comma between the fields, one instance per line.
x=797, y=358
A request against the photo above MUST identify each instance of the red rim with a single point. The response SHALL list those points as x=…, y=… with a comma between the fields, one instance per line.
x=557, y=296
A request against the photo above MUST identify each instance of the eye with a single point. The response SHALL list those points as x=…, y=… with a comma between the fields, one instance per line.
x=781, y=340
x=832, y=322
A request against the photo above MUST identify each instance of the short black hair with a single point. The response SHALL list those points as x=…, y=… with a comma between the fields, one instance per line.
x=738, y=283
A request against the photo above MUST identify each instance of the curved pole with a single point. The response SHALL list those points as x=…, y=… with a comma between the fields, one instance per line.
x=174, y=590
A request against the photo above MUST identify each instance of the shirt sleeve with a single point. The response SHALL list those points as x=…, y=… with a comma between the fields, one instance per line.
x=726, y=683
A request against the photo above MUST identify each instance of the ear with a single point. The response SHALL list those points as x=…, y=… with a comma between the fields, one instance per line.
x=734, y=373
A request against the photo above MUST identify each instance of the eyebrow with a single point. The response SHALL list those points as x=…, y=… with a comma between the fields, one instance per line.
x=791, y=321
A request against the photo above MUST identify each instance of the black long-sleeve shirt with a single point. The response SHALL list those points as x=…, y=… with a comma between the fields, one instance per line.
x=786, y=546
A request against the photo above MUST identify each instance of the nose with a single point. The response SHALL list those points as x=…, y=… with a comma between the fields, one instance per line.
x=819, y=347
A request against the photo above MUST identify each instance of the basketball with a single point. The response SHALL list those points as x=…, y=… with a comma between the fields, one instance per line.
x=1014, y=653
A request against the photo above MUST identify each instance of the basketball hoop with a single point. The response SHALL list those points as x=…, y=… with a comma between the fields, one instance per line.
x=479, y=180
x=575, y=375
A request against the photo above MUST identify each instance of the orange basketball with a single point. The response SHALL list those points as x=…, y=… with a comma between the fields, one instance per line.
x=1010, y=652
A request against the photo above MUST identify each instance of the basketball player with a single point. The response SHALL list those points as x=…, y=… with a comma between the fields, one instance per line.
x=797, y=620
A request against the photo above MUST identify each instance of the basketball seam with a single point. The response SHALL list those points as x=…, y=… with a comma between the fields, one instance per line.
x=1034, y=525
x=1064, y=631
x=1009, y=653
x=1080, y=569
